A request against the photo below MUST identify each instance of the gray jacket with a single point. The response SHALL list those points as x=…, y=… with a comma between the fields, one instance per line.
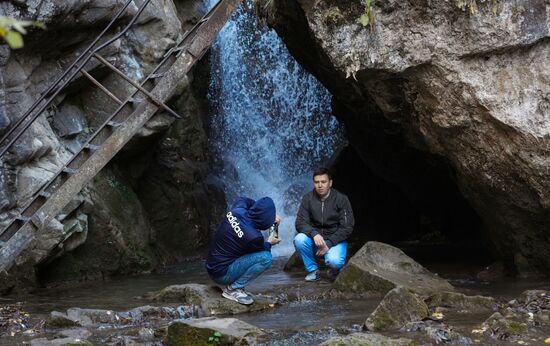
x=331, y=218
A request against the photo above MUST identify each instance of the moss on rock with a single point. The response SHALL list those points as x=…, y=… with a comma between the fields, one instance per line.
x=398, y=307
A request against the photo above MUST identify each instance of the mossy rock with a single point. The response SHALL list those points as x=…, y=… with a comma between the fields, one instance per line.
x=499, y=327
x=196, y=332
x=399, y=307
x=180, y=334
x=58, y=321
x=461, y=301
x=378, y=268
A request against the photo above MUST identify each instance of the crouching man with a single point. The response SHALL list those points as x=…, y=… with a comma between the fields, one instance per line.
x=324, y=222
x=238, y=253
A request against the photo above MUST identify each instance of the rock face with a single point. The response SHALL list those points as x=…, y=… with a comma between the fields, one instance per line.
x=119, y=223
x=430, y=85
x=378, y=268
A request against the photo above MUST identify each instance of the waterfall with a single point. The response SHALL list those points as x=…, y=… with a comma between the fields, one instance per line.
x=272, y=121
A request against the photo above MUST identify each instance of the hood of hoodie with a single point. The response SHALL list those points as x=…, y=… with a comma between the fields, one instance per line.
x=262, y=213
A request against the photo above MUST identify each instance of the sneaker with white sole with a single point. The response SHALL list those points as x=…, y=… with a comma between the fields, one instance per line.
x=238, y=295
x=313, y=276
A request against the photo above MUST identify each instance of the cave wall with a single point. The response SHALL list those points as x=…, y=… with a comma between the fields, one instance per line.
x=431, y=86
x=115, y=225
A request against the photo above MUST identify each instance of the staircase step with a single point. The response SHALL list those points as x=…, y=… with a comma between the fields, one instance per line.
x=114, y=124
x=91, y=146
x=156, y=75
x=69, y=170
x=23, y=218
x=45, y=194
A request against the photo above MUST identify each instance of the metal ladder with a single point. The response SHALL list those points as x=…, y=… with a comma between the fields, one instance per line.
x=115, y=131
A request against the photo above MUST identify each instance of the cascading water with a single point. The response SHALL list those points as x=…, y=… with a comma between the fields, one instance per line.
x=272, y=122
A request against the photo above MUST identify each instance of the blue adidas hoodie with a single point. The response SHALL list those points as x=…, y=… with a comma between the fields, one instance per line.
x=239, y=233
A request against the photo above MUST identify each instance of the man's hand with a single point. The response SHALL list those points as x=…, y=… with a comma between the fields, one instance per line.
x=319, y=240
x=321, y=251
x=273, y=240
x=277, y=219
x=322, y=247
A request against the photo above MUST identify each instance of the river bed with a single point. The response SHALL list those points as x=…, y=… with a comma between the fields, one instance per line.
x=300, y=322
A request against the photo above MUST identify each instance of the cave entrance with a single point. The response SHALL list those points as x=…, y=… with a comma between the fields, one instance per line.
x=424, y=214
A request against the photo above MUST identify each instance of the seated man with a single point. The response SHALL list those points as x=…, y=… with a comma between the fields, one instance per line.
x=238, y=253
x=324, y=222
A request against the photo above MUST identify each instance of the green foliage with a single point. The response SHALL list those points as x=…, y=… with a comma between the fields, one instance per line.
x=214, y=339
x=11, y=30
x=367, y=18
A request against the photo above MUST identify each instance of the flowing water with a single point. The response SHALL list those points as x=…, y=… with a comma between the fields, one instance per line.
x=272, y=121
x=303, y=322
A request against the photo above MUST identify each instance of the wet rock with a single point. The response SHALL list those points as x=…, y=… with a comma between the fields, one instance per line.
x=367, y=339
x=437, y=331
x=502, y=328
x=208, y=299
x=60, y=320
x=60, y=342
x=532, y=306
x=90, y=317
x=535, y=299
x=460, y=301
x=144, y=314
x=197, y=332
x=75, y=336
x=137, y=316
x=378, y=267
x=399, y=306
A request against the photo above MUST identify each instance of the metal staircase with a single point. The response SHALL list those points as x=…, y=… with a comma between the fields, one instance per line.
x=148, y=96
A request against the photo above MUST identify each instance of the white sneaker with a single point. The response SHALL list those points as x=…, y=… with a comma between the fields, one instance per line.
x=238, y=295
x=313, y=276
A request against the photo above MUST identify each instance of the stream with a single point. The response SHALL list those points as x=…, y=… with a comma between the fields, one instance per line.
x=298, y=322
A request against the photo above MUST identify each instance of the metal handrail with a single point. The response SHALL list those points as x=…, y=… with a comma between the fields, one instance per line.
x=81, y=61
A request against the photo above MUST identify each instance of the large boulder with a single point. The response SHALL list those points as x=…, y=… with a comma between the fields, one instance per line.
x=399, y=307
x=208, y=299
x=442, y=86
x=379, y=267
x=223, y=331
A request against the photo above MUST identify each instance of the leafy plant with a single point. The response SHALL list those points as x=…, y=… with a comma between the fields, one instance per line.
x=11, y=30
x=214, y=339
x=367, y=18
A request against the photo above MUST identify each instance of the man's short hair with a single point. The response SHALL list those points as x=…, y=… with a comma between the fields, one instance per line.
x=322, y=171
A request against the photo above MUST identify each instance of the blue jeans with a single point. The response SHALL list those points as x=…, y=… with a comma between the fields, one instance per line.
x=245, y=269
x=335, y=258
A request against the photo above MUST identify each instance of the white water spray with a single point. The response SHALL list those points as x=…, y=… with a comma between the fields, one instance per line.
x=272, y=122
